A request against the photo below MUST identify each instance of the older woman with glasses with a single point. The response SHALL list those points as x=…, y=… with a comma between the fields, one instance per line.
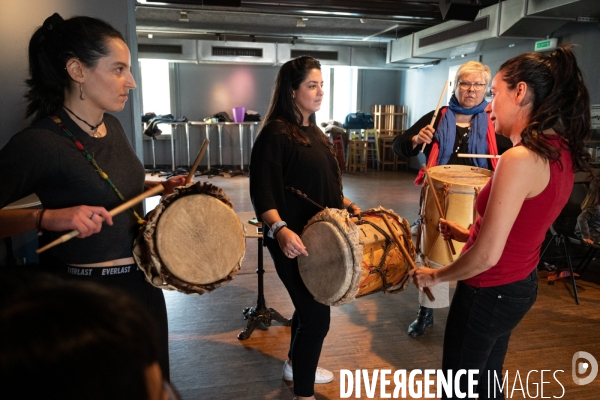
x=461, y=127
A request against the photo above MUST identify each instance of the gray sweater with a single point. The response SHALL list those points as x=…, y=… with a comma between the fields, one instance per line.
x=43, y=160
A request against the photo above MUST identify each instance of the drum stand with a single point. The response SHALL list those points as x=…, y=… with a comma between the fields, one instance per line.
x=260, y=313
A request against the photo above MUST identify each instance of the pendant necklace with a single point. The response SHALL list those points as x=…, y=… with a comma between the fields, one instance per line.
x=94, y=128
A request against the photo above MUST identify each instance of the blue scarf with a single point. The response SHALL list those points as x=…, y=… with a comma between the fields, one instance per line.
x=445, y=133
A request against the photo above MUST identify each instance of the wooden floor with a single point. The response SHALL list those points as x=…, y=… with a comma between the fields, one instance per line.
x=209, y=362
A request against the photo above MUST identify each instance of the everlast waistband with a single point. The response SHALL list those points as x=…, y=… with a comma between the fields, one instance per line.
x=108, y=271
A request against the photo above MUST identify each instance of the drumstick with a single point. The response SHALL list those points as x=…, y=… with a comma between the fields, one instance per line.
x=435, y=114
x=197, y=162
x=437, y=204
x=465, y=155
x=404, y=252
x=117, y=210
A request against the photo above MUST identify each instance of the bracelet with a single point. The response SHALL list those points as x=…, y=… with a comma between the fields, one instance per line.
x=349, y=208
x=277, y=231
x=275, y=228
x=38, y=220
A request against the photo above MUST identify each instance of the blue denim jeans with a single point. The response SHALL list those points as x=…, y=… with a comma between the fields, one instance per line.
x=479, y=325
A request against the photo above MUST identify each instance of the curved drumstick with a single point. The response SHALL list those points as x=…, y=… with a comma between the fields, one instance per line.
x=197, y=162
x=435, y=114
x=437, y=204
x=117, y=210
x=404, y=252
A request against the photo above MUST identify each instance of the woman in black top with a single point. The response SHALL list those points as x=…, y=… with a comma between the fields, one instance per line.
x=79, y=69
x=291, y=151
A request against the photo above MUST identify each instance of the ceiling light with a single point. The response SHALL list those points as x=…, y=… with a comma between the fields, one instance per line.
x=362, y=20
x=150, y=36
x=183, y=17
x=300, y=23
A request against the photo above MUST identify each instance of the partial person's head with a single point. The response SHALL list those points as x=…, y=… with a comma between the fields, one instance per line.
x=298, y=91
x=470, y=82
x=80, y=58
x=534, y=94
x=77, y=341
x=592, y=198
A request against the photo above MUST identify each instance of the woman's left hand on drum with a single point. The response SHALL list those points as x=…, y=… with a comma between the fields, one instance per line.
x=423, y=277
x=173, y=182
x=290, y=243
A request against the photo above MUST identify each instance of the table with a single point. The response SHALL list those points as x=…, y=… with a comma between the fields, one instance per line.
x=241, y=125
x=259, y=313
x=207, y=127
x=26, y=202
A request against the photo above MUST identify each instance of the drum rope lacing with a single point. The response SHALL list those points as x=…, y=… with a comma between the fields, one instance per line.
x=379, y=268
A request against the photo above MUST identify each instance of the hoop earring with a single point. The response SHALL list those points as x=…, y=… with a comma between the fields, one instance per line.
x=81, y=91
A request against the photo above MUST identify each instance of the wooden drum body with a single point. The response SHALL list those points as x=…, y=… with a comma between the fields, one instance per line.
x=353, y=257
x=193, y=241
x=457, y=187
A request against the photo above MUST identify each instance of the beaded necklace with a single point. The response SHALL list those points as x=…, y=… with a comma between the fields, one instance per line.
x=90, y=158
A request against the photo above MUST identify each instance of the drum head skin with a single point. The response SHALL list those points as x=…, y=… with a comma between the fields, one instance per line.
x=196, y=239
x=333, y=267
x=193, y=241
x=329, y=254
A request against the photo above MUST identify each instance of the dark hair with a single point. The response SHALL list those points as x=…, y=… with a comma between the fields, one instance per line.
x=559, y=100
x=282, y=107
x=50, y=47
x=74, y=340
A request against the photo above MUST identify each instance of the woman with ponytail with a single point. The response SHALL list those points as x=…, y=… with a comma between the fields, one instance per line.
x=541, y=104
x=78, y=161
x=462, y=127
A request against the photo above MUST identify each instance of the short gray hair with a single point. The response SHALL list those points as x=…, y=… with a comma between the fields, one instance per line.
x=473, y=67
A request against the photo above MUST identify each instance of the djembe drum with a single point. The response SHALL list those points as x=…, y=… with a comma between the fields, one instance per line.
x=457, y=187
x=193, y=241
x=352, y=257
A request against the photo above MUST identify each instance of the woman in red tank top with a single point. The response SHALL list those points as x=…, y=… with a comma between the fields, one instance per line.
x=542, y=105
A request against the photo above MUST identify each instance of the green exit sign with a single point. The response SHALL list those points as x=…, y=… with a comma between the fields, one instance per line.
x=546, y=45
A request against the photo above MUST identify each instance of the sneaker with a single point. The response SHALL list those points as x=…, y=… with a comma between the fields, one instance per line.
x=321, y=376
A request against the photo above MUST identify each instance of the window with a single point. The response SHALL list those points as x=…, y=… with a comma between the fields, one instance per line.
x=340, y=86
x=156, y=92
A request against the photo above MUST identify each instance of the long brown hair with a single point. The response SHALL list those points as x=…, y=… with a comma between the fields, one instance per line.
x=559, y=101
x=283, y=108
x=592, y=198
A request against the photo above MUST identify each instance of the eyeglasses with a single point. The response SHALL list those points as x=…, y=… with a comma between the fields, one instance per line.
x=467, y=85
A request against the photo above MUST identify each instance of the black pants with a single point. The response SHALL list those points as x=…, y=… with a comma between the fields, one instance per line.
x=310, y=323
x=479, y=325
x=135, y=285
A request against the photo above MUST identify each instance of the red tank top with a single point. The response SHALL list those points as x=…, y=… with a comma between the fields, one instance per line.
x=522, y=249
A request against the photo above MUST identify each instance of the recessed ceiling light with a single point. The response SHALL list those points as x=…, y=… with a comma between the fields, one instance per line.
x=300, y=23
x=183, y=17
x=150, y=36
